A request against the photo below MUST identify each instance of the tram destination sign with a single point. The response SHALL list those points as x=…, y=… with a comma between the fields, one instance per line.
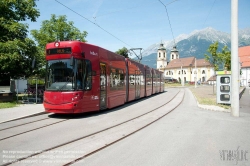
x=66, y=50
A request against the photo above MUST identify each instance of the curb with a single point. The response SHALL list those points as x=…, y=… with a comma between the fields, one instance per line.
x=23, y=117
x=214, y=107
x=210, y=107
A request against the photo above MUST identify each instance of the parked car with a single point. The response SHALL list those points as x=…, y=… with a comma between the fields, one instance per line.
x=170, y=80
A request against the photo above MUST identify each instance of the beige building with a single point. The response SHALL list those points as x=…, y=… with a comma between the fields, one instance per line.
x=188, y=69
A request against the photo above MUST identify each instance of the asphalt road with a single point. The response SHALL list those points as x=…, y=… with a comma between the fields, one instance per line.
x=187, y=136
x=77, y=126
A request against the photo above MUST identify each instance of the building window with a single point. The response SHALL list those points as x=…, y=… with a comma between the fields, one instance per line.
x=172, y=56
x=164, y=55
x=203, y=71
x=159, y=54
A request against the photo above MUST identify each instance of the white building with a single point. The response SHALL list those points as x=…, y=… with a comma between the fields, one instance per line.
x=244, y=55
x=161, y=57
x=188, y=69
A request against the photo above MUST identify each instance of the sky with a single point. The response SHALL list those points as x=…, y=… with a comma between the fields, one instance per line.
x=141, y=23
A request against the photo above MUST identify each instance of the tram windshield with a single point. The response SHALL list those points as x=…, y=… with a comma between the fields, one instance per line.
x=62, y=75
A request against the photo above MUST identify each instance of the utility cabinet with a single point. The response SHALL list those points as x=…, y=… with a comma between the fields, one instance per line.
x=223, y=86
x=18, y=85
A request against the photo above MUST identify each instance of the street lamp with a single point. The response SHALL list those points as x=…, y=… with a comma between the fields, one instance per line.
x=195, y=80
x=247, y=77
x=190, y=65
x=182, y=81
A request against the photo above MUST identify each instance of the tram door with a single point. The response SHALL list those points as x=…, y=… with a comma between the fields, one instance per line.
x=137, y=84
x=103, y=86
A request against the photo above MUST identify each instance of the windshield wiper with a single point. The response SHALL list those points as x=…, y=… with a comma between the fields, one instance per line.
x=67, y=81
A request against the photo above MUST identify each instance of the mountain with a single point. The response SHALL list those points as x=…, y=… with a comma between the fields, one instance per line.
x=195, y=44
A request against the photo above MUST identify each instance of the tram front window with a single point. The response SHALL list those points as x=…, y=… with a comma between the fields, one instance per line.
x=61, y=76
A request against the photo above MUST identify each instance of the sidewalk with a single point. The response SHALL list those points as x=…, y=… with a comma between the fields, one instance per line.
x=209, y=92
x=22, y=110
x=187, y=136
x=245, y=103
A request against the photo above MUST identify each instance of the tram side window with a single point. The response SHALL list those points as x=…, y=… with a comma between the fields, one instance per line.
x=132, y=79
x=88, y=84
x=148, y=78
x=83, y=75
x=116, y=79
x=79, y=74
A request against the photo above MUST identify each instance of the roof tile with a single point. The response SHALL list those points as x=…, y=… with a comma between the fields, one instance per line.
x=244, y=55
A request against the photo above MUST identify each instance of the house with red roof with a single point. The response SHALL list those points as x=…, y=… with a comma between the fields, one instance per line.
x=244, y=56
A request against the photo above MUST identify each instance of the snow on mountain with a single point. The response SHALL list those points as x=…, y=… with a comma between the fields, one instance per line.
x=195, y=44
x=209, y=35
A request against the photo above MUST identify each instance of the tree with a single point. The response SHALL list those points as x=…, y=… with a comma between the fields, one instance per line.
x=16, y=50
x=123, y=51
x=214, y=58
x=57, y=29
x=225, y=56
x=219, y=58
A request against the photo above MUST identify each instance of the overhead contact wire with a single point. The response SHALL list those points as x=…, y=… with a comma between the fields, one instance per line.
x=92, y=23
x=209, y=13
x=169, y=19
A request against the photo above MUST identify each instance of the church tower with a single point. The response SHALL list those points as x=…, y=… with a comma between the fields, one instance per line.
x=174, y=54
x=161, y=57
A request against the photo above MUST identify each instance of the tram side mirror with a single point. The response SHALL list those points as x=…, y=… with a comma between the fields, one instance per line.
x=83, y=54
x=71, y=61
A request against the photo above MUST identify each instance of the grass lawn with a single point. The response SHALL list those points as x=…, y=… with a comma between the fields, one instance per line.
x=204, y=94
x=8, y=104
x=11, y=104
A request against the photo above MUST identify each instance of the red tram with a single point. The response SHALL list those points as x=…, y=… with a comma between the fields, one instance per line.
x=81, y=77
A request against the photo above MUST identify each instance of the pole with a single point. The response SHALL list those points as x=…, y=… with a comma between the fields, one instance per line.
x=17, y=90
x=181, y=77
x=195, y=84
x=234, y=59
x=239, y=71
x=246, y=77
x=36, y=89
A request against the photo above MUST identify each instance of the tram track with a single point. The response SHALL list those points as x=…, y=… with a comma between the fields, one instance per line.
x=150, y=115
x=11, y=129
x=37, y=128
x=10, y=125
x=22, y=124
x=24, y=117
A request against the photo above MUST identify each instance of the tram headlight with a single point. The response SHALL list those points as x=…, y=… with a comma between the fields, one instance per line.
x=75, y=98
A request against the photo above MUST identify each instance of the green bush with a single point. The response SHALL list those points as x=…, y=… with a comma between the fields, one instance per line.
x=32, y=81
